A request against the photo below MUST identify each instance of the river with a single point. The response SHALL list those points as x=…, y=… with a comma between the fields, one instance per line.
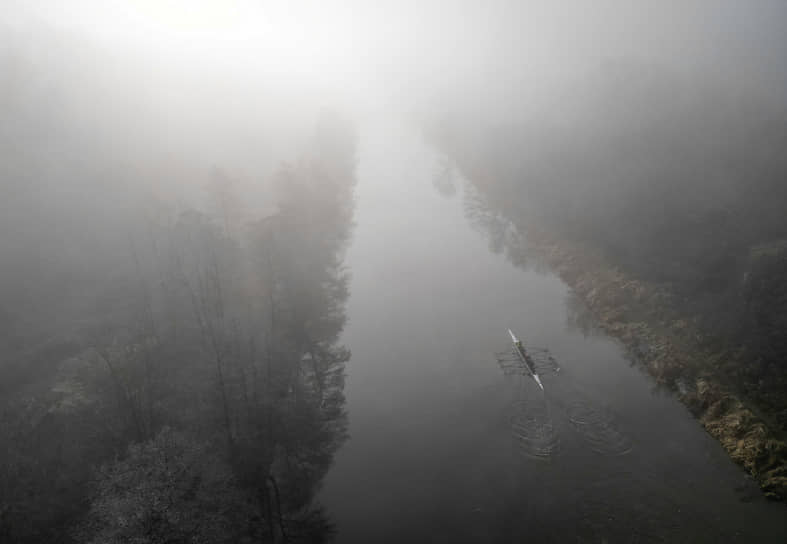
x=445, y=447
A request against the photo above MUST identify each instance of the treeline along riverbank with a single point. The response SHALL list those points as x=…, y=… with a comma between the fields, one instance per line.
x=662, y=205
x=193, y=390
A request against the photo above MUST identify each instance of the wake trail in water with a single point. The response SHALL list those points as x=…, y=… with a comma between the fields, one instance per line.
x=532, y=429
x=597, y=428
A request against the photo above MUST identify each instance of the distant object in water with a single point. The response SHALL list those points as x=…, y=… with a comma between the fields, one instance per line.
x=526, y=361
x=532, y=427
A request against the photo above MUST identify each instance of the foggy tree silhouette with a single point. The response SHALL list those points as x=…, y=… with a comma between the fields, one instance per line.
x=212, y=393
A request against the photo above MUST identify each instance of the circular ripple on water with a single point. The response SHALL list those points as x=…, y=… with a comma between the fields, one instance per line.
x=598, y=429
x=533, y=430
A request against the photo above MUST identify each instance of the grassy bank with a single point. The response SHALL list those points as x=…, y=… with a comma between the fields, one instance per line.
x=672, y=348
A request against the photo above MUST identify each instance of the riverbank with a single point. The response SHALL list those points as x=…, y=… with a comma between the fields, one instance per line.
x=670, y=347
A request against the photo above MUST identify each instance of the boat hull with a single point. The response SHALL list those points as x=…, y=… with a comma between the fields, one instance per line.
x=525, y=358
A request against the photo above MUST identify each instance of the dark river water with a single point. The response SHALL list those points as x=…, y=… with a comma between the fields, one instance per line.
x=444, y=447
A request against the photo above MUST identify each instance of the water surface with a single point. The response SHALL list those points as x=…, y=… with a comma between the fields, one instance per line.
x=444, y=447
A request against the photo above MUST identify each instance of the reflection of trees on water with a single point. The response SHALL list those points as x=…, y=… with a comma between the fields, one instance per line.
x=506, y=239
x=578, y=316
x=499, y=230
x=503, y=235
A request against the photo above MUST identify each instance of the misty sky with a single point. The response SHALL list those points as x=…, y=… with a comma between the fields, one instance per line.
x=412, y=51
x=168, y=89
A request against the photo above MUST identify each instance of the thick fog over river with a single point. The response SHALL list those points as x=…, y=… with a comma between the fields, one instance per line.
x=444, y=447
x=259, y=260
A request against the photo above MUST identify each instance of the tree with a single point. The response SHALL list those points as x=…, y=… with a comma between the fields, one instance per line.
x=171, y=489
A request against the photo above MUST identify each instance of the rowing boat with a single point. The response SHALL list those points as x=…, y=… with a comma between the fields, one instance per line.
x=526, y=359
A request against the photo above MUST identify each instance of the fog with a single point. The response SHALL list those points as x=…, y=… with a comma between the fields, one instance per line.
x=476, y=53
x=176, y=87
x=186, y=263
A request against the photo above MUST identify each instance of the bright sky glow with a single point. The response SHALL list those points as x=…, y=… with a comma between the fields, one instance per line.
x=482, y=51
x=304, y=40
